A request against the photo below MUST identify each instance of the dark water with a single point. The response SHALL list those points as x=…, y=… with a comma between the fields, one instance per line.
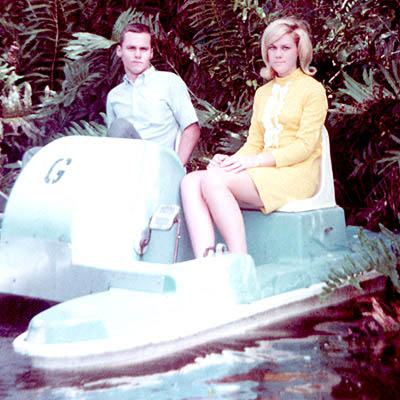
x=326, y=355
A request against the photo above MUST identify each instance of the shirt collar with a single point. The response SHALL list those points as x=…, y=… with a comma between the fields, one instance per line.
x=142, y=77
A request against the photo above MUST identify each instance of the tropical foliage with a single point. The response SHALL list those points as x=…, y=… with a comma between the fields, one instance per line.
x=58, y=62
x=374, y=253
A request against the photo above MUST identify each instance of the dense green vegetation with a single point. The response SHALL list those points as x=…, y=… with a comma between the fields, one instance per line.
x=58, y=61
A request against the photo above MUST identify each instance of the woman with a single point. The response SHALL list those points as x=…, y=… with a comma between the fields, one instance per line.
x=280, y=160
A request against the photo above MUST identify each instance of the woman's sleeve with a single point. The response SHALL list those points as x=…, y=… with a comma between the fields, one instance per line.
x=255, y=140
x=313, y=116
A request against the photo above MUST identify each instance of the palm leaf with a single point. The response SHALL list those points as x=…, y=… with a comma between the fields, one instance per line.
x=85, y=43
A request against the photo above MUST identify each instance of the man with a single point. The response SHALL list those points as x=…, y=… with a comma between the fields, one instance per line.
x=150, y=104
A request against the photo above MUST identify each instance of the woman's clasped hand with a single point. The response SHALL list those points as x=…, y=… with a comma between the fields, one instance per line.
x=235, y=163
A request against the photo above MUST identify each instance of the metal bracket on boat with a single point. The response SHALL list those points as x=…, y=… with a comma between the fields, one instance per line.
x=163, y=219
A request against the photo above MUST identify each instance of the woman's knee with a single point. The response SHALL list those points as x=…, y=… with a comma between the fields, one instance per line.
x=191, y=181
x=214, y=179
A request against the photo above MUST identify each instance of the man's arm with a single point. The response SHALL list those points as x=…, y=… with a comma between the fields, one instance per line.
x=109, y=112
x=189, y=138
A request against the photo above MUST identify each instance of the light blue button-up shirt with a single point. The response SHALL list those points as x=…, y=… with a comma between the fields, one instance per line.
x=157, y=104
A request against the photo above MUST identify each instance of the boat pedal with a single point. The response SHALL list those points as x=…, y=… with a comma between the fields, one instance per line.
x=164, y=217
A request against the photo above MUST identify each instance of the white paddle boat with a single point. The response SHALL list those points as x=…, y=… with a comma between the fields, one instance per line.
x=95, y=224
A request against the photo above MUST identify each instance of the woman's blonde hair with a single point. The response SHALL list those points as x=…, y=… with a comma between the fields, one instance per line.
x=301, y=33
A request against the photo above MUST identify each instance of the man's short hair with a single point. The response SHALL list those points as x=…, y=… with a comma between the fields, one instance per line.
x=135, y=28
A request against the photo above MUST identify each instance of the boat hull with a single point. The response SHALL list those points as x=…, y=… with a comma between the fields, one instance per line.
x=160, y=327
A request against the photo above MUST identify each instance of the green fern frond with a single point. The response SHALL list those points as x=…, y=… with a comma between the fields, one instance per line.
x=78, y=78
x=246, y=6
x=372, y=254
x=127, y=17
x=393, y=81
x=47, y=29
x=8, y=76
x=370, y=90
x=84, y=128
x=77, y=74
x=15, y=125
x=86, y=43
x=227, y=46
x=359, y=92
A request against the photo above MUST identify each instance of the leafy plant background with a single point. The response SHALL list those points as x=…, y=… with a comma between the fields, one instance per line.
x=58, y=62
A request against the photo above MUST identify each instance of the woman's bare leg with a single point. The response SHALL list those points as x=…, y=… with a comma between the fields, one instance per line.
x=197, y=215
x=223, y=192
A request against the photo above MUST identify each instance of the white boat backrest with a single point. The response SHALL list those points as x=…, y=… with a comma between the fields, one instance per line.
x=325, y=195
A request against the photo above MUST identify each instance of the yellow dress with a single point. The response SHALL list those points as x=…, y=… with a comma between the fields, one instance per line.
x=288, y=115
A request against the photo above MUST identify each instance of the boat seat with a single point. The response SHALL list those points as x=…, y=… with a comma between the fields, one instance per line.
x=303, y=229
x=325, y=195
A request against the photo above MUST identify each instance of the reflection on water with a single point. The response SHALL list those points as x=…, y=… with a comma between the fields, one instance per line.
x=307, y=358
